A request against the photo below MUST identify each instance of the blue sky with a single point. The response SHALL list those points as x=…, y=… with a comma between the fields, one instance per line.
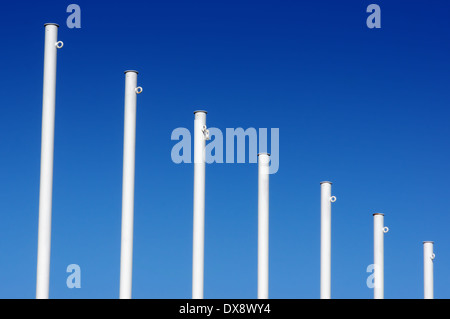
x=366, y=109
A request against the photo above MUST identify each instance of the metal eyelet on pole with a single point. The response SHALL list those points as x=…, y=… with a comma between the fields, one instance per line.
x=138, y=90
x=59, y=44
x=385, y=229
x=333, y=199
x=205, y=132
x=433, y=256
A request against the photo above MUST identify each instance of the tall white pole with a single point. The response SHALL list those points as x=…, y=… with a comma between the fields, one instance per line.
x=325, y=239
x=47, y=147
x=200, y=136
x=263, y=225
x=378, y=253
x=428, y=260
x=129, y=148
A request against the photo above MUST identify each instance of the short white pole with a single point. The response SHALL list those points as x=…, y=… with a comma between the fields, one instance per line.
x=263, y=225
x=428, y=260
x=129, y=148
x=378, y=252
x=325, y=239
x=200, y=136
x=47, y=147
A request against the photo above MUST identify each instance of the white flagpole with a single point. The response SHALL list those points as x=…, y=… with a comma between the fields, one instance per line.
x=263, y=225
x=129, y=149
x=325, y=239
x=378, y=251
x=47, y=149
x=428, y=260
x=200, y=135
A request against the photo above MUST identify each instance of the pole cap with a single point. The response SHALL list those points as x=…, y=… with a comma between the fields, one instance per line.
x=200, y=111
x=428, y=241
x=55, y=24
x=378, y=214
x=131, y=71
x=326, y=182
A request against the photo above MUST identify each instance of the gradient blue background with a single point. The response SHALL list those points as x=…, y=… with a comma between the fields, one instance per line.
x=367, y=109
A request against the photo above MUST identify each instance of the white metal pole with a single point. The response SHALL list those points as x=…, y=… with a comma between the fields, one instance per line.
x=47, y=147
x=325, y=239
x=428, y=260
x=200, y=136
x=263, y=225
x=378, y=252
x=129, y=148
